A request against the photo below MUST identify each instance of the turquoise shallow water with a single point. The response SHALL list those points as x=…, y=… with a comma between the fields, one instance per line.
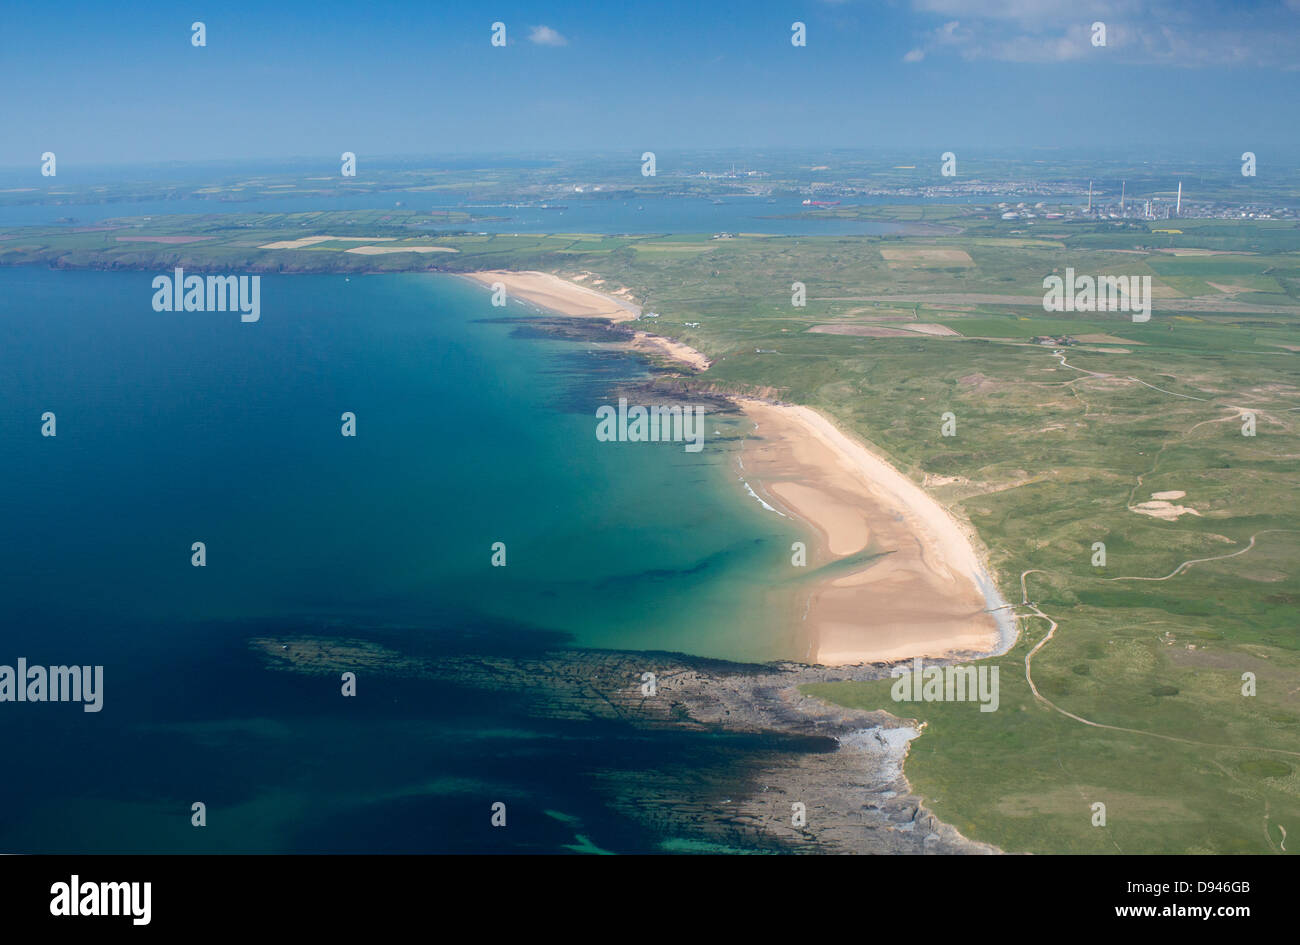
x=183, y=427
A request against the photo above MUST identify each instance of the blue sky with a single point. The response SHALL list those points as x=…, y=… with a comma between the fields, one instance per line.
x=107, y=83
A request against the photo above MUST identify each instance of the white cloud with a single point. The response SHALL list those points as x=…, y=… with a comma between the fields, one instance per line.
x=545, y=36
x=914, y=55
x=1168, y=32
x=1024, y=11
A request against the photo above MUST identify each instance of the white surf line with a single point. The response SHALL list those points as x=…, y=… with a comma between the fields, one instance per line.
x=759, y=498
x=740, y=463
x=1029, y=678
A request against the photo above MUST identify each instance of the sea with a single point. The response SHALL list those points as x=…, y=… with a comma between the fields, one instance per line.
x=475, y=439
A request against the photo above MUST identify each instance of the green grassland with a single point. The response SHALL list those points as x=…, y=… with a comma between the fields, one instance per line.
x=1050, y=453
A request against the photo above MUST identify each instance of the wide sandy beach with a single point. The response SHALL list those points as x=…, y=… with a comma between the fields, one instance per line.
x=559, y=295
x=928, y=593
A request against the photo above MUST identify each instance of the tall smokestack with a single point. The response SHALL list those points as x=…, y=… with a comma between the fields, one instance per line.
x=1122, y=187
x=1090, y=196
x=1178, y=210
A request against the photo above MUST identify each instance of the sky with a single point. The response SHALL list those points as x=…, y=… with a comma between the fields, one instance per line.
x=108, y=84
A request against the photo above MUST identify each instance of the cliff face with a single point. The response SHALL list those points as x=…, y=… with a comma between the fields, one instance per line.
x=844, y=766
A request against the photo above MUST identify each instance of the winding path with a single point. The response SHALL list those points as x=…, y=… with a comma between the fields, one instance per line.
x=1029, y=678
x=1187, y=564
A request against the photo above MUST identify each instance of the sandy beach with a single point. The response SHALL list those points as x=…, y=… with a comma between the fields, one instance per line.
x=928, y=594
x=925, y=597
x=672, y=350
x=569, y=298
x=559, y=295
